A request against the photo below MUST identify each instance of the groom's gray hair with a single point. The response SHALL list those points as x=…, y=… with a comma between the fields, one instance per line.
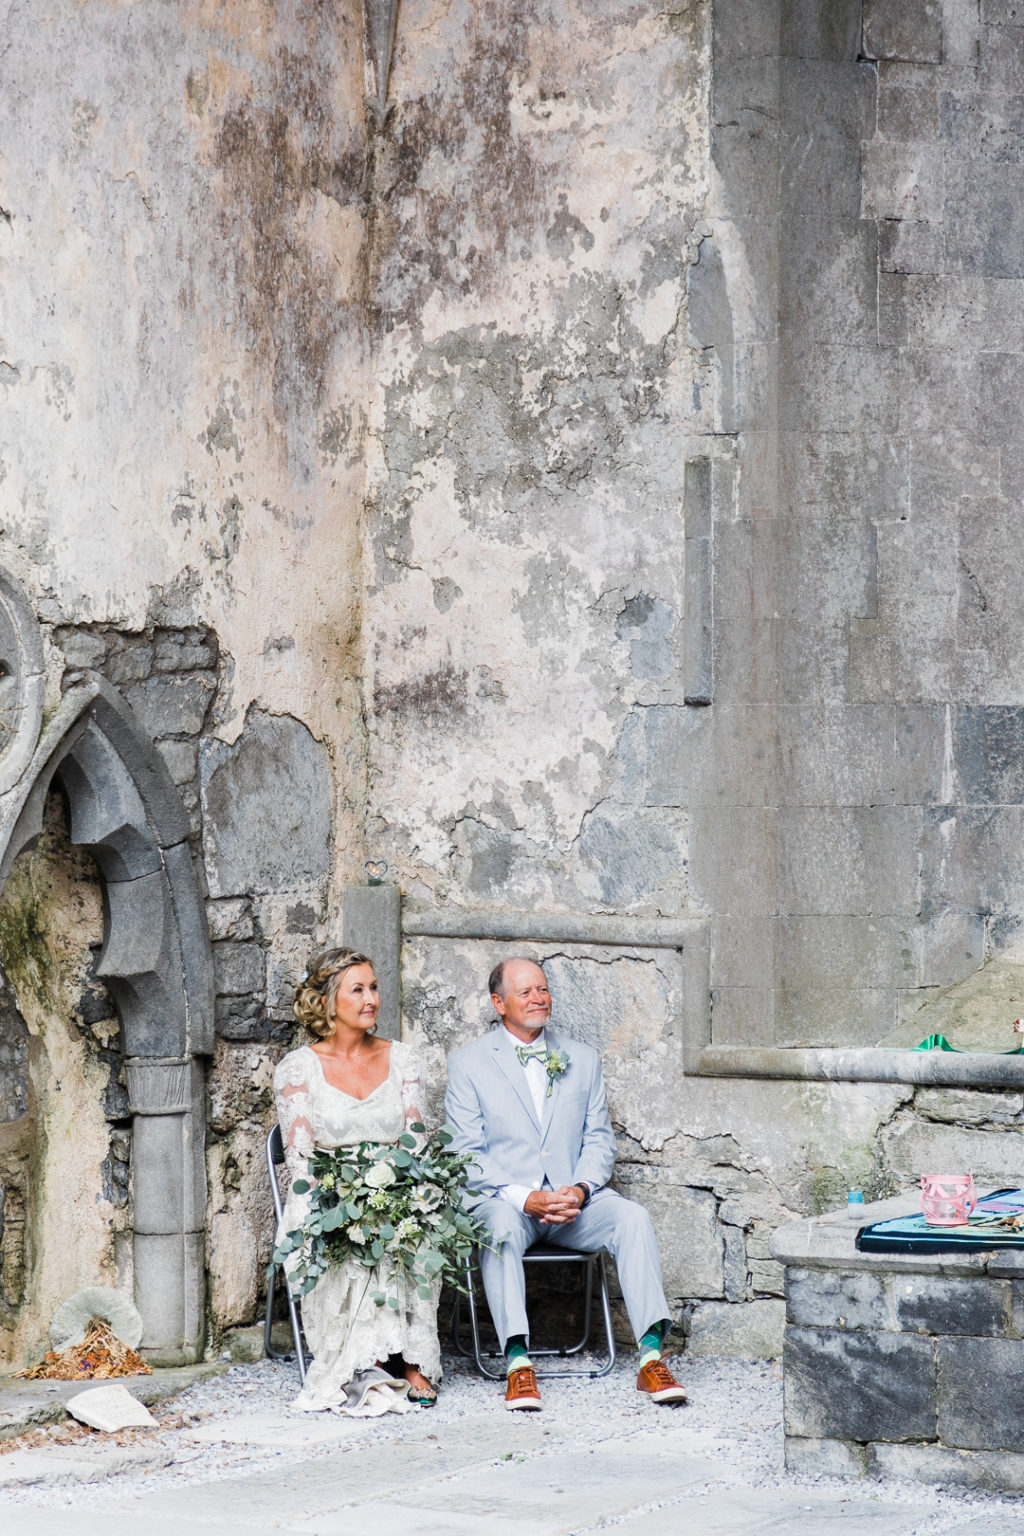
x=496, y=980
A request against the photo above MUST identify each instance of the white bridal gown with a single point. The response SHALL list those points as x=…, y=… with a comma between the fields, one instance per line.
x=345, y=1330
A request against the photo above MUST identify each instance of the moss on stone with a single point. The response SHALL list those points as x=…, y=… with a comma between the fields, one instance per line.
x=24, y=939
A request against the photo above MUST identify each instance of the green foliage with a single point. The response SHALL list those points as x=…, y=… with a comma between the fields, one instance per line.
x=395, y=1209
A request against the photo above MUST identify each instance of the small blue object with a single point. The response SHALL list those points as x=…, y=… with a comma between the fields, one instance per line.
x=854, y=1200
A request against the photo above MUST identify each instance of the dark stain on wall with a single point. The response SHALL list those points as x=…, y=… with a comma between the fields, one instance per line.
x=274, y=149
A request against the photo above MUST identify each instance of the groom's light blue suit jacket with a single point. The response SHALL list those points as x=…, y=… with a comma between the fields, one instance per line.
x=488, y=1104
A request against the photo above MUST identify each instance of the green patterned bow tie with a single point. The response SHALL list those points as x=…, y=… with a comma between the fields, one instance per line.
x=537, y=1049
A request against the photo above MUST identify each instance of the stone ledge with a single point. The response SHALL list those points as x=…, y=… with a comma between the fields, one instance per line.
x=828, y=1242
x=868, y=1064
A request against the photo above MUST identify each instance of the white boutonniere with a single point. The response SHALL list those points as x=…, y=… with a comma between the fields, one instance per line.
x=556, y=1065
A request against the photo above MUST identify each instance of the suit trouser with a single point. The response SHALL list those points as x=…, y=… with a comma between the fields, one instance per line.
x=608, y=1221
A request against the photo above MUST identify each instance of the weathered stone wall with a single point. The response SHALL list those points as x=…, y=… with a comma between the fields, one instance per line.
x=542, y=192
x=182, y=352
x=589, y=486
x=750, y=652
x=856, y=148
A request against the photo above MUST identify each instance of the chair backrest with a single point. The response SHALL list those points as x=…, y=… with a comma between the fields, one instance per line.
x=275, y=1156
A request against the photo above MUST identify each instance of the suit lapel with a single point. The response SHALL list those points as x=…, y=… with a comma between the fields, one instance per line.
x=550, y=1098
x=508, y=1061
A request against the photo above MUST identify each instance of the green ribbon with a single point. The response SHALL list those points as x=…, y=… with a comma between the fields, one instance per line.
x=940, y=1043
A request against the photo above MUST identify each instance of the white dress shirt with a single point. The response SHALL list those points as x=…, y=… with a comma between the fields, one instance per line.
x=537, y=1082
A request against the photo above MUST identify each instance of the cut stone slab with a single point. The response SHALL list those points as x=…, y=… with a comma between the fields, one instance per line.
x=70, y=1321
x=750, y=1331
x=110, y=1408
x=389, y=1470
x=283, y=1431
x=413, y=1517
x=774, y=1512
x=562, y=1493
x=975, y=1015
x=70, y=1464
x=990, y=1525
x=24, y=1404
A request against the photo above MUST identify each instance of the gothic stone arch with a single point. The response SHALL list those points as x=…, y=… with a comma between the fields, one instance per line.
x=157, y=963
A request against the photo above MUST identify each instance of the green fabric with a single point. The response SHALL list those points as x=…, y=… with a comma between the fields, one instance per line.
x=516, y=1352
x=940, y=1043
x=652, y=1339
x=538, y=1049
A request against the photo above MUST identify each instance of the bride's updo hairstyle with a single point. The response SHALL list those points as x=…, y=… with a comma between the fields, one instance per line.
x=315, y=993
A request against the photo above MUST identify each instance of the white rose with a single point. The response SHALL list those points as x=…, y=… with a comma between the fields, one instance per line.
x=357, y=1234
x=380, y=1175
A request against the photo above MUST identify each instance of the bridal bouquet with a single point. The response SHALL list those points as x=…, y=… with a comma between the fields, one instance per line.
x=395, y=1210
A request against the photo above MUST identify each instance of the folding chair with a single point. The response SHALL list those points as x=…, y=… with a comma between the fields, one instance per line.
x=541, y=1253
x=275, y=1157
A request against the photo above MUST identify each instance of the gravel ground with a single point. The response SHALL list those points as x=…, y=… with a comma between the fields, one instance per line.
x=735, y=1414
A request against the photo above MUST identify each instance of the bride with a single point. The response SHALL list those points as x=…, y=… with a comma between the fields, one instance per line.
x=344, y=1088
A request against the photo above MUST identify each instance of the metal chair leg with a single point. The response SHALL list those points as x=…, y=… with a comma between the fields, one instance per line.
x=474, y=1324
x=457, y=1328
x=606, y=1310
x=270, y=1353
x=300, y=1353
x=595, y=1259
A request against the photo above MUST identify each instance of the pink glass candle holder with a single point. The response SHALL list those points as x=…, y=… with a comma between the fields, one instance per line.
x=947, y=1199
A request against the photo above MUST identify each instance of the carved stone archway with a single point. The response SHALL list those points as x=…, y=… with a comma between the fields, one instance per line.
x=156, y=961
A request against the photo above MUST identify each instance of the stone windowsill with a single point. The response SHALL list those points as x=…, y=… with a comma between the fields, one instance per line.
x=869, y=1064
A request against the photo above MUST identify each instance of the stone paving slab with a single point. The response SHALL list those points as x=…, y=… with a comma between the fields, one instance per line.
x=111, y=1520
x=359, y=1471
x=1009, y=1524
x=551, y=1495
x=25, y=1404
x=283, y=1431
x=48, y=1465
x=414, y=1520
x=777, y=1512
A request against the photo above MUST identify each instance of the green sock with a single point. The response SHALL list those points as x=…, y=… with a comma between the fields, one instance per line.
x=650, y=1344
x=516, y=1352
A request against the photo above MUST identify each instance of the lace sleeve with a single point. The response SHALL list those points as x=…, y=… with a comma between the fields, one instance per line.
x=414, y=1093
x=294, y=1111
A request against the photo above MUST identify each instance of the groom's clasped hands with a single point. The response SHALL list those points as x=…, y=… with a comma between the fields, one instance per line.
x=554, y=1207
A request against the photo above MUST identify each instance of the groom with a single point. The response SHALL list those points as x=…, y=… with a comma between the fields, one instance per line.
x=529, y=1106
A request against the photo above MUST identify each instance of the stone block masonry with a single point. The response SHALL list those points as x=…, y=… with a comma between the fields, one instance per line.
x=901, y=1364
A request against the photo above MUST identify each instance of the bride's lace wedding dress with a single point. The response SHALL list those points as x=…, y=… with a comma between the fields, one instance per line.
x=346, y=1332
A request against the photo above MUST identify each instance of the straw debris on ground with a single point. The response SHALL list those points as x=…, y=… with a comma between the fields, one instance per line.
x=100, y=1356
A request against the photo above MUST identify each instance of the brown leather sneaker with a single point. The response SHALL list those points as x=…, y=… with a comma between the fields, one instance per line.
x=521, y=1391
x=657, y=1381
